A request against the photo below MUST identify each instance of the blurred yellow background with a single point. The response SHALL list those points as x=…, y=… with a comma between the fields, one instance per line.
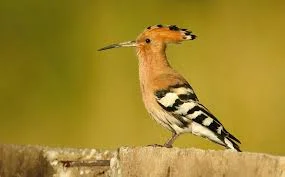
x=57, y=90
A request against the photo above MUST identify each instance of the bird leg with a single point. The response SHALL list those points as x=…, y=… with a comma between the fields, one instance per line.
x=169, y=142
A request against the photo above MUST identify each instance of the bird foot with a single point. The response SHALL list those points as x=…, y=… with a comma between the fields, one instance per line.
x=159, y=145
x=155, y=145
x=167, y=145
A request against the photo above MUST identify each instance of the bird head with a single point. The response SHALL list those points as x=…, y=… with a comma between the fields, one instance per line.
x=156, y=37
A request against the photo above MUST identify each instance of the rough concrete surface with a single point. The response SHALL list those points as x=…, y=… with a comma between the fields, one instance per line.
x=163, y=162
x=38, y=161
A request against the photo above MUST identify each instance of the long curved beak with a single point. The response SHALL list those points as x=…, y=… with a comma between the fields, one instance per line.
x=122, y=44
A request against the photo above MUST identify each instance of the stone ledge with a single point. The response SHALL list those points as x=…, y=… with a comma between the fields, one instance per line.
x=29, y=161
x=198, y=163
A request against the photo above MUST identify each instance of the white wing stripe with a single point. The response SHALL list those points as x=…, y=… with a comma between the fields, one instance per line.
x=219, y=130
x=168, y=100
x=195, y=114
x=185, y=107
x=207, y=121
x=183, y=90
x=229, y=144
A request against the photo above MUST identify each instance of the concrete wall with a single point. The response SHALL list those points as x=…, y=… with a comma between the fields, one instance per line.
x=29, y=161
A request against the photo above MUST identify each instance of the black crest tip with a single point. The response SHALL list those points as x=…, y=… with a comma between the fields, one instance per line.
x=173, y=28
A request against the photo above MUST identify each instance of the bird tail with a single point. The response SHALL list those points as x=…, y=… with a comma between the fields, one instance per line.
x=227, y=142
x=231, y=142
x=224, y=138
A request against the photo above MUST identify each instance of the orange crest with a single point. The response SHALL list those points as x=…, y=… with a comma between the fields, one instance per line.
x=166, y=34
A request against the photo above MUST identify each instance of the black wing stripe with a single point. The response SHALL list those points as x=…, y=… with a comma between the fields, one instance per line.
x=161, y=93
x=187, y=97
x=208, y=113
x=200, y=118
x=234, y=138
x=234, y=144
x=194, y=109
x=214, y=127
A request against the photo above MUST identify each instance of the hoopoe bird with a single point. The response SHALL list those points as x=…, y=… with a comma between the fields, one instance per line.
x=167, y=96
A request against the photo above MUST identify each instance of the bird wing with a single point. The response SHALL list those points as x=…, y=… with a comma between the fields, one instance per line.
x=181, y=102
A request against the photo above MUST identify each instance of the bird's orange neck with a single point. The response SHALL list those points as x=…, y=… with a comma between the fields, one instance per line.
x=152, y=64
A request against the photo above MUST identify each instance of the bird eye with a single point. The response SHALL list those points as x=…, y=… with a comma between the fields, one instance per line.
x=147, y=40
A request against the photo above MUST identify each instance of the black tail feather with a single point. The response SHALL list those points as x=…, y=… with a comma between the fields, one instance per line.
x=234, y=138
x=235, y=145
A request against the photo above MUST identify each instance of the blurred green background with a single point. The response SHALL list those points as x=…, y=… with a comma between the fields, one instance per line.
x=57, y=90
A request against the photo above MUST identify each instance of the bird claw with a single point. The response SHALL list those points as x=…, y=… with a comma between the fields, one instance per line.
x=159, y=145
x=167, y=145
x=155, y=145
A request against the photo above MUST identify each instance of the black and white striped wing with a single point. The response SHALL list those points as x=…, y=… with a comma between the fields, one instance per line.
x=181, y=102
